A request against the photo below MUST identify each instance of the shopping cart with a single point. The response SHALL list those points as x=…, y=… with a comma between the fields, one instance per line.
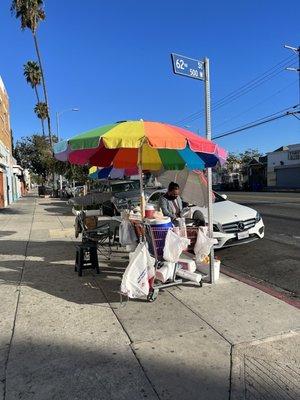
x=156, y=238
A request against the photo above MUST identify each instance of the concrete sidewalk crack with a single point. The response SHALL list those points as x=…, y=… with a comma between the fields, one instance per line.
x=18, y=289
x=130, y=344
x=200, y=317
x=218, y=333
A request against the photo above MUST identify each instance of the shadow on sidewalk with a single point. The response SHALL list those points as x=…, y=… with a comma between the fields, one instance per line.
x=49, y=267
x=7, y=233
x=11, y=211
x=55, y=206
x=92, y=371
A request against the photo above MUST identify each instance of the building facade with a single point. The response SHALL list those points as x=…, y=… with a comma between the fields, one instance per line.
x=6, y=175
x=283, y=169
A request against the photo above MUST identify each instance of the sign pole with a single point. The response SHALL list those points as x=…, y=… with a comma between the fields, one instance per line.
x=209, y=170
x=197, y=69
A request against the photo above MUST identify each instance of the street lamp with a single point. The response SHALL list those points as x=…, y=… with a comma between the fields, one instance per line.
x=296, y=50
x=58, y=114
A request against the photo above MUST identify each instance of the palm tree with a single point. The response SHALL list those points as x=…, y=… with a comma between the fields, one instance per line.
x=30, y=13
x=41, y=110
x=32, y=73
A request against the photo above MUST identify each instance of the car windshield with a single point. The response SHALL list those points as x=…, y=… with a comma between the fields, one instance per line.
x=218, y=198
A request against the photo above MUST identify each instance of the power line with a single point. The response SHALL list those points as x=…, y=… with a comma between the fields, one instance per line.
x=244, y=89
x=257, y=104
x=296, y=116
x=261, y=121
x=257, y=81
x=241, y=93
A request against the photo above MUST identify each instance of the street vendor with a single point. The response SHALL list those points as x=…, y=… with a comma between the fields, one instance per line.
x=171, y=203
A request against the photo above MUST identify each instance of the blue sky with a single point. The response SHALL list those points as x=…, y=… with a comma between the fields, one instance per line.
x=111, y=59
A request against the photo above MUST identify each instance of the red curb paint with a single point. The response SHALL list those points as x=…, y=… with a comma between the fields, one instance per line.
x=263, y=287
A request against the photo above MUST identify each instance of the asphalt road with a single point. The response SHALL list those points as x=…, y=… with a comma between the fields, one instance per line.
x=276, y=258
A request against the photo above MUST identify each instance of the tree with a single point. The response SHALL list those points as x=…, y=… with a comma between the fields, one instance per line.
x=31, y=13
x=248, y=155
x=41, y=110
x=232, y=161
x=35, y=153
x=33, y=76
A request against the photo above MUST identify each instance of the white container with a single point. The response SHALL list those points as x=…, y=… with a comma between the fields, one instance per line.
x=187, y=264
x=205, y=269
x=165, y=272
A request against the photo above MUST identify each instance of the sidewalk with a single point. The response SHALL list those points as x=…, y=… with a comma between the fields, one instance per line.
x=65, y=337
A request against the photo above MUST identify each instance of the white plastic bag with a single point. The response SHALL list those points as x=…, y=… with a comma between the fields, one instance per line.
x=174, y=245
x=135, y=281
x=127, y=234
x=203, y=244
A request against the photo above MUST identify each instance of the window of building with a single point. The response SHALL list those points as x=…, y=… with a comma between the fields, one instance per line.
x=294, y=155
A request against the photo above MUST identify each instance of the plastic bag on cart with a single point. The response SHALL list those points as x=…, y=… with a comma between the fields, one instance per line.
x=203, y=243
x=174, y=246
x=127, y=234
x=138, y=274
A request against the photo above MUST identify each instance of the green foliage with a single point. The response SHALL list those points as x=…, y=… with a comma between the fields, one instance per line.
x=41, y=110
x=241, y=159
x=77, y=172
x=30, y=13
x=35, y=153
x=248, y=155
x=32, y=73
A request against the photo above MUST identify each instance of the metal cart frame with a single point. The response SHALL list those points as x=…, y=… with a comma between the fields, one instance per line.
x=155, y=237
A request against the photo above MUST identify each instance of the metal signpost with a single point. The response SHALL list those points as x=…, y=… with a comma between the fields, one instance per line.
x=198, y=69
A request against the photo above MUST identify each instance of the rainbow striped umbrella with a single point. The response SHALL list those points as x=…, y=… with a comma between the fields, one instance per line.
x=152, y=146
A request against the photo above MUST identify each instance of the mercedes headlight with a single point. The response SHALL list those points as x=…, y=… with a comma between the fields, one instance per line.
x=258, y=217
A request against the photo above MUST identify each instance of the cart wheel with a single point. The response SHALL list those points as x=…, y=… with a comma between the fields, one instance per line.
x=152, y=296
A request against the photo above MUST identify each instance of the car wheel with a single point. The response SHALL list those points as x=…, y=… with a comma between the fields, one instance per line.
x=198, y=218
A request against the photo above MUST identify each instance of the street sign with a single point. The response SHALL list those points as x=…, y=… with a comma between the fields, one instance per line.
x=188, y=66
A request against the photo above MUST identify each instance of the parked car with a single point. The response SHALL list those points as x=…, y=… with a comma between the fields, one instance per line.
x=233, y=223
x=121, y=201
x=117, y=186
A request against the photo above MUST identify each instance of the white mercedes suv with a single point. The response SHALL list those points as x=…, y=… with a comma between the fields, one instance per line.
x=233, y=223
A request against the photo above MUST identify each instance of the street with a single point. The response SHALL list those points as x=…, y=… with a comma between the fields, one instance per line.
x=276, y=258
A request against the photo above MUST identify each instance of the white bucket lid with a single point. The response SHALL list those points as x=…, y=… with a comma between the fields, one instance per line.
x=149, y=207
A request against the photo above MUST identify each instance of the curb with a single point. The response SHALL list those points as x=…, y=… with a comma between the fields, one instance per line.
x=264, y=287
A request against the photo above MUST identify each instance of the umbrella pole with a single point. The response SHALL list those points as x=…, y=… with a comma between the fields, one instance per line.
x=140, y=166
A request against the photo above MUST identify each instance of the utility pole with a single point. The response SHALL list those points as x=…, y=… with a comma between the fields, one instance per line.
x=296, y=50
x=209, y=170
